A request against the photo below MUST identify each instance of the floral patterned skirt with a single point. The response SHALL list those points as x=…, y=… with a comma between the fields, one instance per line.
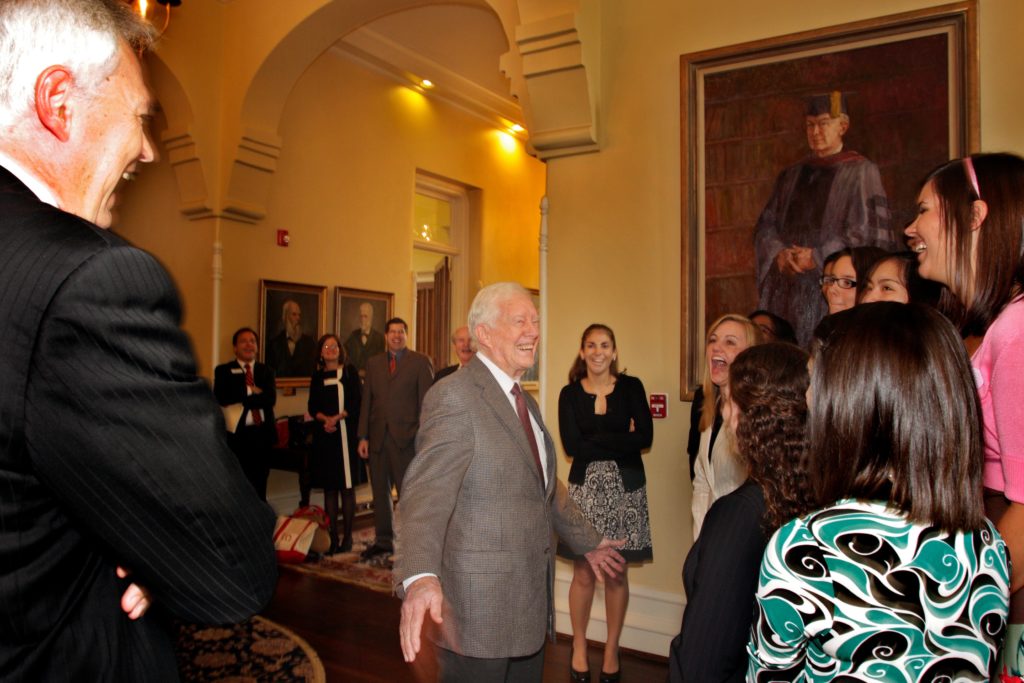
x=613, y=511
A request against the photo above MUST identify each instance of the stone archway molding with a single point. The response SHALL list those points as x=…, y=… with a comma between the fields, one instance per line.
x=555, y=73
x=553, y=68
x=178, y=139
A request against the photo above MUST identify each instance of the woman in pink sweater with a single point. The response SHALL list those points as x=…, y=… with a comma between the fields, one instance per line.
x=967, y=234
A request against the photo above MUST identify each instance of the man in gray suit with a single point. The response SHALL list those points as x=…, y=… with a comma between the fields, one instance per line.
x=481, y=502
x=395, y=384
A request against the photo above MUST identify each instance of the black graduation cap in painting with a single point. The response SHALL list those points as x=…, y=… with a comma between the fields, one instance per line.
x=832, y=103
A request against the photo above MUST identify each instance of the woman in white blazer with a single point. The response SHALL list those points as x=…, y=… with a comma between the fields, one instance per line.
x=718, y=470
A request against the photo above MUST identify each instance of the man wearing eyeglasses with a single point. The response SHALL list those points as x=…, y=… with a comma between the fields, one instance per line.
x=830, y=200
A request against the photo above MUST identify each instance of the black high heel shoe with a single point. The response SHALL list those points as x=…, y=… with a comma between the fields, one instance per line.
x=610, y=678
x=577, y=676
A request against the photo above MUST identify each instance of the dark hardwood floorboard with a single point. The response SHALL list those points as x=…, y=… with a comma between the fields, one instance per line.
x=355, y=632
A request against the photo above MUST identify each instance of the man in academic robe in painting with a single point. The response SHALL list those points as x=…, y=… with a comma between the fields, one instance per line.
x=830, y=200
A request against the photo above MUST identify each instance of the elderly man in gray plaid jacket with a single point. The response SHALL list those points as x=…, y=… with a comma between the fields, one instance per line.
x=481, y=505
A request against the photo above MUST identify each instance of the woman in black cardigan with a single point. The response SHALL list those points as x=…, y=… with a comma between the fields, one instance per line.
x=605, y=423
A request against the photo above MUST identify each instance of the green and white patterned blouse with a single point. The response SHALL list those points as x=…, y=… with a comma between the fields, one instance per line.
x=856, y=592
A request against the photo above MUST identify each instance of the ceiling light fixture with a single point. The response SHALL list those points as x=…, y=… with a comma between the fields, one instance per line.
x=156, y=12
x=426, y=84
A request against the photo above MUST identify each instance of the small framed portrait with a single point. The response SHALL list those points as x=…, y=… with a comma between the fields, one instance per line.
x=292, y=319
x=359, y=317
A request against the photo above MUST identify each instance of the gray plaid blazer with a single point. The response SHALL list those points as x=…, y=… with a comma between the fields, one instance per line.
x=474, y=512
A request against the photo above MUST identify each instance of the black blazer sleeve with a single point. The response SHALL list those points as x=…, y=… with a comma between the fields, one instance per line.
x=693, y=437
x=568, y=425
x=228, y=388
x=353, y=394
x=353, y=404
x=721, y=581
x=131, y=443
x=314, y=404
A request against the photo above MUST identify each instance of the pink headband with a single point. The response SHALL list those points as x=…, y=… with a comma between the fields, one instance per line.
x=972, y=176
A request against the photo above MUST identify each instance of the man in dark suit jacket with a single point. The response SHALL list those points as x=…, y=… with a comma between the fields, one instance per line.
x=395, y=384
x=462, y=342
x=248, y=408
x=112, y=450
x=480, y=506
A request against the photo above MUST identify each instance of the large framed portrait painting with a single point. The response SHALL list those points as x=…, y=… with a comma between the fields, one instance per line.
x=797, y=146
x=292, y=319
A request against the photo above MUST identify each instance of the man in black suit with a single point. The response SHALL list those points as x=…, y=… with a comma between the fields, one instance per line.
x=112, y=451
x=396, y=382
x=462, y=342
x=246, y=392
x=291, y=352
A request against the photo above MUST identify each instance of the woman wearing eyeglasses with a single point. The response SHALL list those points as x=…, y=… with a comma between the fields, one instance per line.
x=839, y=284
x=334, y=398
x=967, y=236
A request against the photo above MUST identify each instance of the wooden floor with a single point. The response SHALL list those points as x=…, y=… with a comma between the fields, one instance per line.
x=355, y=633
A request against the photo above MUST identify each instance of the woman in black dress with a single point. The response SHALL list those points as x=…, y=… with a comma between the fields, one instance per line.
x=605, y=423
x=334, y=398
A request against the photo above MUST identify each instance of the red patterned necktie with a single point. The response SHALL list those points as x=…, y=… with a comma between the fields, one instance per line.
x=524, y=418
x=257, y=418
x=391, y=363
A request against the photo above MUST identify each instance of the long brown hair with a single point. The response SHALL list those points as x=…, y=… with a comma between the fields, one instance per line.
x=895, y=415
x=768, y=384
x=579, y=366
x=710, y=408
x=997, y=274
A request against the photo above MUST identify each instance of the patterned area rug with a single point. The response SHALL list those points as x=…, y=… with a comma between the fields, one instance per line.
x=255, y=650
x=347, y=567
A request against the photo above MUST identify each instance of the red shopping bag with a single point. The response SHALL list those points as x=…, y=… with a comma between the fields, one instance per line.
x=292, y=538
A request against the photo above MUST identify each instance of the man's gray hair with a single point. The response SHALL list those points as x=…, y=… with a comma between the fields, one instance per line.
x=82, y=35
x=486, y=305
x=289, y=303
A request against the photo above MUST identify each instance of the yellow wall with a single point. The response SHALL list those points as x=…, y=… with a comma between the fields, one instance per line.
x=615, y=215
x=352, y=142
